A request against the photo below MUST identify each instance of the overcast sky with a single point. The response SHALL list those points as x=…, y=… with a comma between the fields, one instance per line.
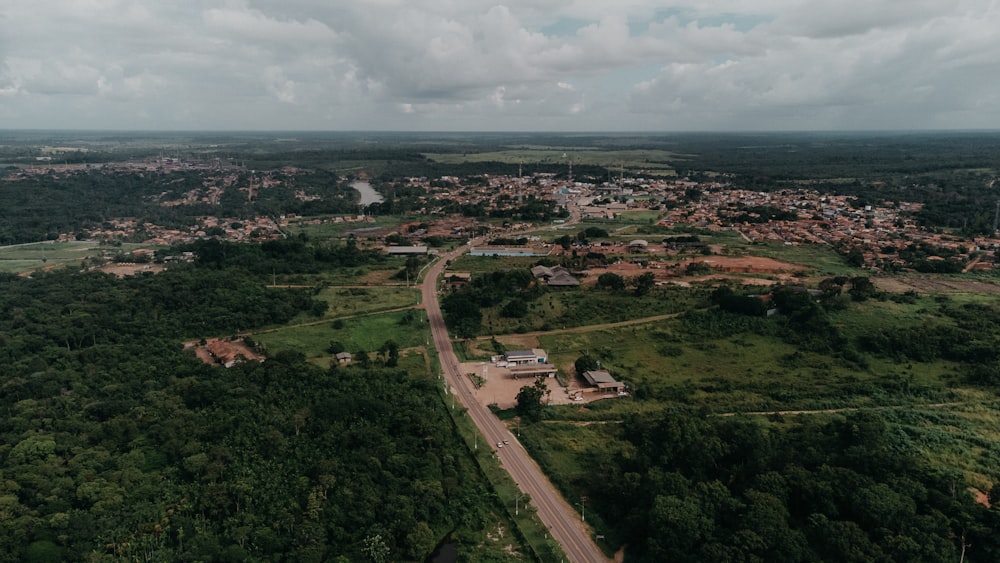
x=552, y=65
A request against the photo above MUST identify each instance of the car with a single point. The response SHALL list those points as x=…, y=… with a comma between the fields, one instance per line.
x=506, y=441
x=499, y=444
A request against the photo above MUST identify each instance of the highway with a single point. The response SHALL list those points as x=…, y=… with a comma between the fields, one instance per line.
x=563, y=522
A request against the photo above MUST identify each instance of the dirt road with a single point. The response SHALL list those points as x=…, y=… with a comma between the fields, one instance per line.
x=563, y=522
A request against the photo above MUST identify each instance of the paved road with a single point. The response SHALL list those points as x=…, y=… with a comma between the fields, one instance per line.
x=563, y=522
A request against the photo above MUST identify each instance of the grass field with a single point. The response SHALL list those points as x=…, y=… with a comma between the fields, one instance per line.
x=825, y=261
x=756, y=372
x=330, y=230
x=346, y=301
x=577, y=307
x=358, y=333
x=652, y=161
x=27, y=257
x=481, y=264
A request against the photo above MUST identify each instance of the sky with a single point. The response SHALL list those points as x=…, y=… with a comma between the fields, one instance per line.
x=488, y=65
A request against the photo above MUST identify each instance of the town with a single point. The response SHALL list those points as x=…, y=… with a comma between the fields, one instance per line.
x=881, y=237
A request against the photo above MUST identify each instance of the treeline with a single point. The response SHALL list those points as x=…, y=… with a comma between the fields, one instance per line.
x=700, y=488
x=46, y=317
x=295, y=255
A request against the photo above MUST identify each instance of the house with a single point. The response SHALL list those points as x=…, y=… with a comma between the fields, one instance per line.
x=225, y=353
x=344, y=358
x=507, y=251
x=637, y=246
x=603, y=381
x=456, y=280
x=556, y=276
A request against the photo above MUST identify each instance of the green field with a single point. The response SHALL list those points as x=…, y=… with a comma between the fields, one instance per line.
x=824, y=260
x=331, y=230
x=347, y=301
x=481, y=264
x=651, y=161
x=579, y=307
x=357, y=333
x=27, y=257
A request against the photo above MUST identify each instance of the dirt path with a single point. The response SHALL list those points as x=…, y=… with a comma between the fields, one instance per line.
x=847, y=409
x=330, y=320
x=585, y=328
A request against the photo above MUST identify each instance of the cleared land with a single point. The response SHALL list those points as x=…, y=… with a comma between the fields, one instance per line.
x=935, y=284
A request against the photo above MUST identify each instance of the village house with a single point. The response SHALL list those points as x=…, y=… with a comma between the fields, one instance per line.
x=603, y=381
x=556, y=276
x=225, y=353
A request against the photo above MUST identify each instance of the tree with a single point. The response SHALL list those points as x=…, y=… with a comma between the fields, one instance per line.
x=643, y=283
x=585, y=363
x=611, y=281
x=529, y=400
x=389, y=353
x=862, y=288
x=515, y=309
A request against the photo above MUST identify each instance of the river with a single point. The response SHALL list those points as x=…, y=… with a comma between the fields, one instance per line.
x=368, y=195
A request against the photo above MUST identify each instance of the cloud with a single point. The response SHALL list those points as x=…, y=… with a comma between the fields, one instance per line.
x=484, y=64
x=253, y=24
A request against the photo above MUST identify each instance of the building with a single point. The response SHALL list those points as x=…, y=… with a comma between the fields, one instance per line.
x=456, y=280
x=637, y=246
x=406, y=250
x=344, y=358
x=225, y=353
x=532, y=370
x=525, y=357
x=603, y=381
x=556, y=276
x=507, y=251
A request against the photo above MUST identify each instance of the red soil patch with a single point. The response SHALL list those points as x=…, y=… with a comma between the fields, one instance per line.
x=221, y=352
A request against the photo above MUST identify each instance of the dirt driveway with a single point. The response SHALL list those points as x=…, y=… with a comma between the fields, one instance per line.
x=501, y=387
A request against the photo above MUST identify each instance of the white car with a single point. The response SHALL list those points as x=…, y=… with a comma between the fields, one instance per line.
x=499, y=444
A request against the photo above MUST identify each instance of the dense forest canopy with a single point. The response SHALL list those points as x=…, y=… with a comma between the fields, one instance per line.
x=687, y=487
x=117, y=444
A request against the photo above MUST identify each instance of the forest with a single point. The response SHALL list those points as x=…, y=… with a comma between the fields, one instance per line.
x=116, y=444
x=684, y=486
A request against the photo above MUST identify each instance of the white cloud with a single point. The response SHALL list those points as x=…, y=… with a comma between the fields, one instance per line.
x=484, y=64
